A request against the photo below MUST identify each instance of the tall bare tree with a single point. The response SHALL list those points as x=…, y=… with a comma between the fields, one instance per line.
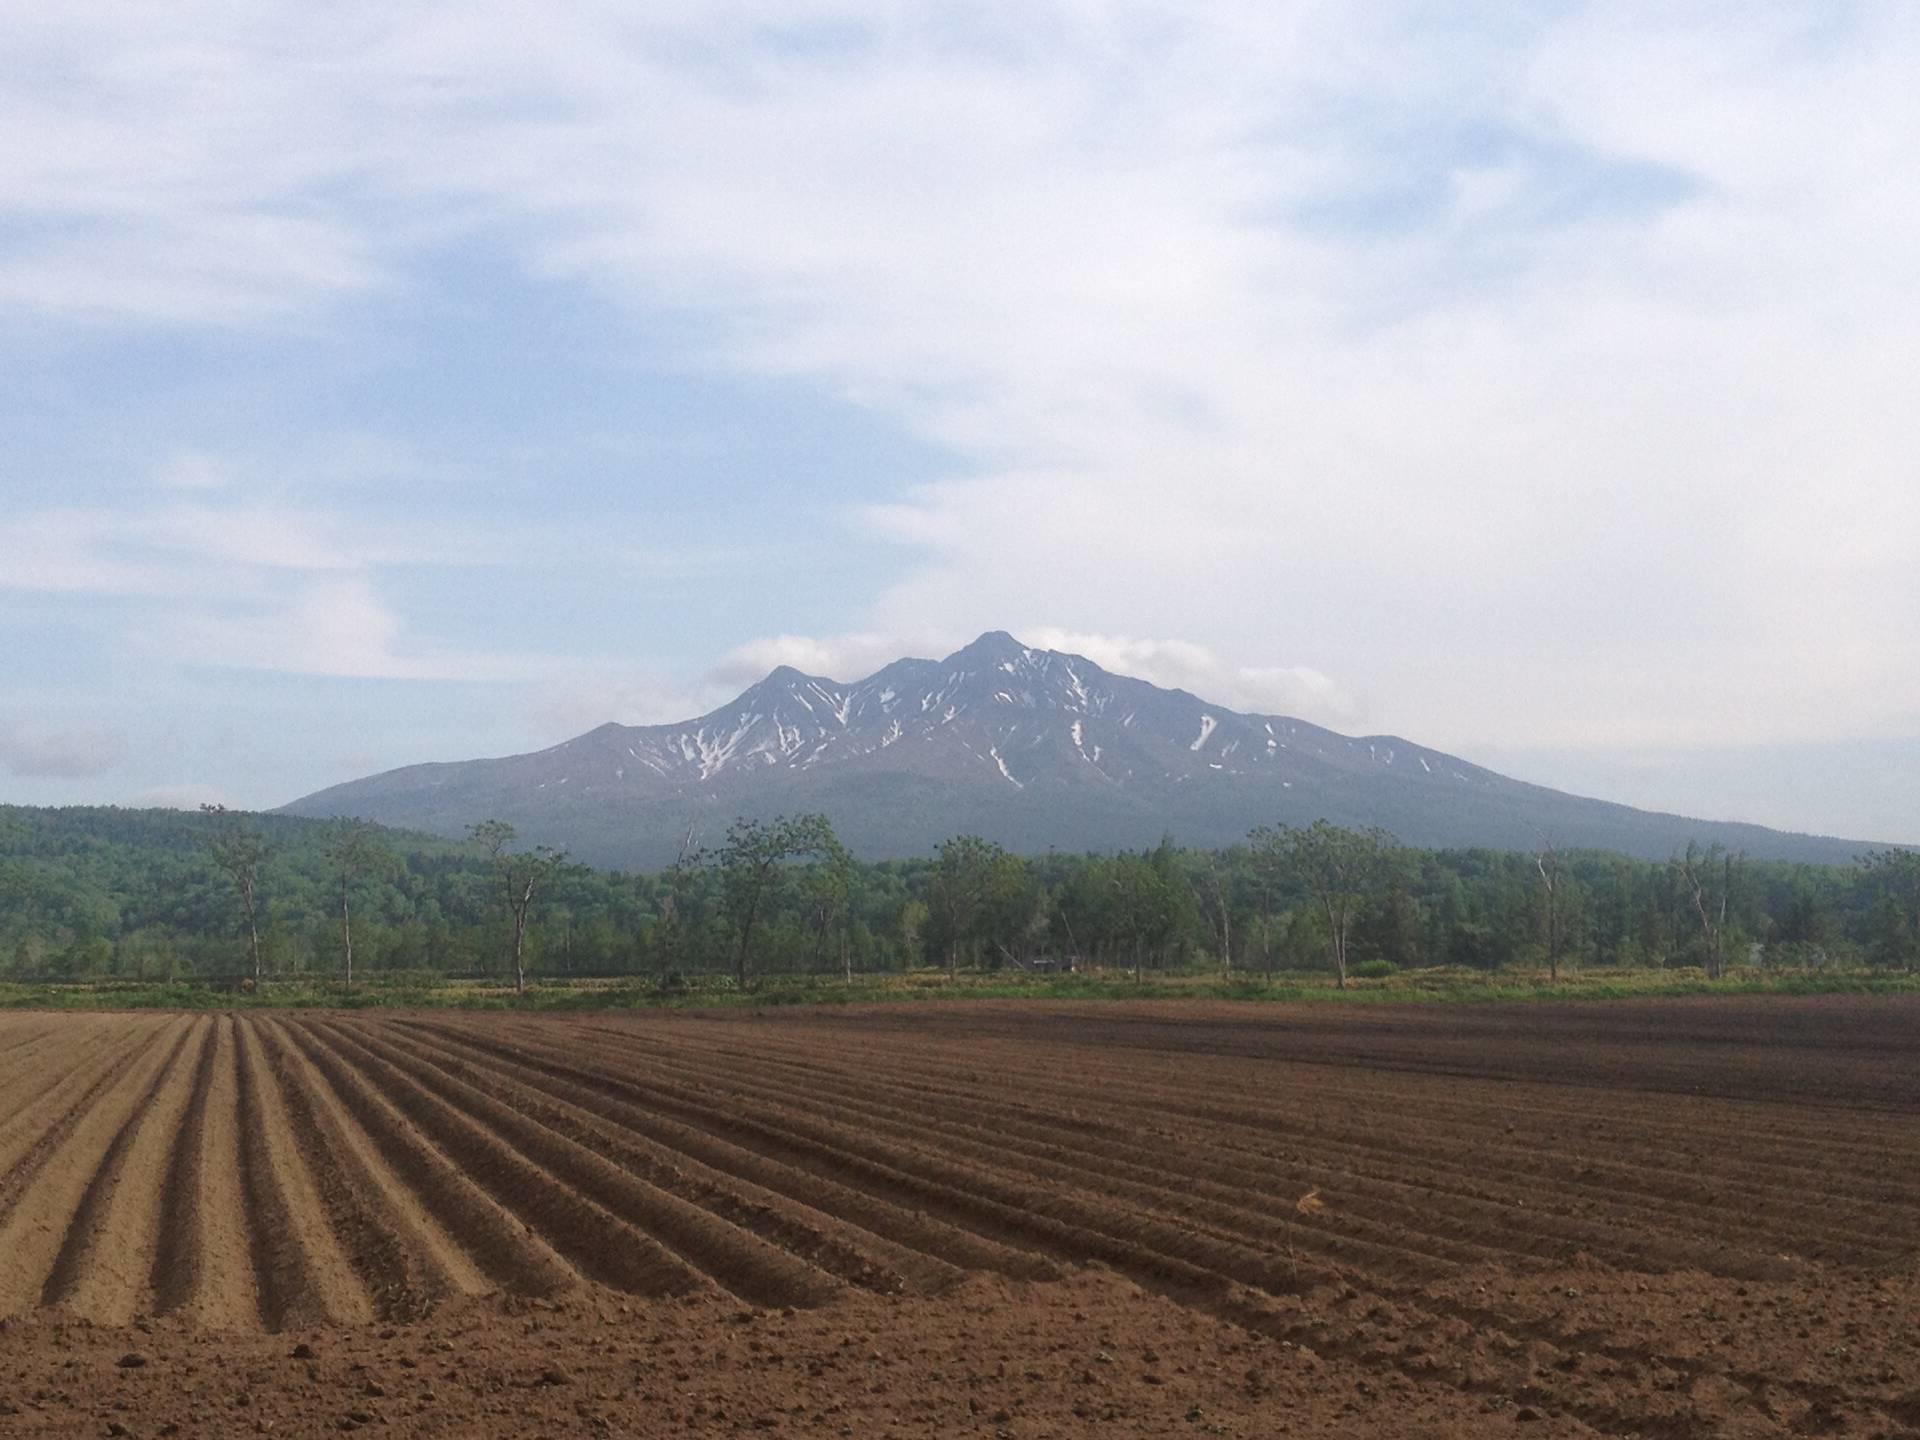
x=1547, y=862
x=356, y=851
x=239, y=850
x=672, y=927
x=1219, y=909
x=521, y=876
x=1269, y=873
x=1709, y=893
x=829, y=891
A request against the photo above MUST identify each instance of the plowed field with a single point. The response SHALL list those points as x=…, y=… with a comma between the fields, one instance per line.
x=1672, y=1218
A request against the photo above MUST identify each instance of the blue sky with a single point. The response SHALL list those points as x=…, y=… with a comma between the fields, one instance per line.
x=1531, y=381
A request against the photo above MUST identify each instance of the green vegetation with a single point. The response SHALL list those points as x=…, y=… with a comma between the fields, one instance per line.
x=1441, y=985
x=160, y=907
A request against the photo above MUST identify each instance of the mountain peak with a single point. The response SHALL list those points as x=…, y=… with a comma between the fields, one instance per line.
x=1032, y=748
x=992, y=647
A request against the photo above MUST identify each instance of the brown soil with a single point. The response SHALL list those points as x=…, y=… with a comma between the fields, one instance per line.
x=1658, y=1219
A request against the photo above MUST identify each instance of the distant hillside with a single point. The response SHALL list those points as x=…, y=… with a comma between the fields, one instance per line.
x=1036, y=749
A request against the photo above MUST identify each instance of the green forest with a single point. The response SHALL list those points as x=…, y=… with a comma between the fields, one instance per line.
x=90, y=893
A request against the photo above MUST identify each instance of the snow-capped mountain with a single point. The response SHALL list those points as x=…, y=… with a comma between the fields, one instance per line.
x=997, y=712
x=1035, y=748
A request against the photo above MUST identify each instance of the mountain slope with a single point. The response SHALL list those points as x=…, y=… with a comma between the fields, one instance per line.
x=1033, y=748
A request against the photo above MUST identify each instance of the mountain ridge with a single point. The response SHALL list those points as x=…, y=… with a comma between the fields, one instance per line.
x=1034, y=748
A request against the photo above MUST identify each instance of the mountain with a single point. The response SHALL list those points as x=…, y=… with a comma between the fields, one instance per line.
x=1034, y=748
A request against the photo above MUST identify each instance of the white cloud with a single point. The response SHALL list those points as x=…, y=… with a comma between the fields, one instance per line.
x=837, y=657
x=1295, y=690
x=257, y=584
x=209, y=546
x=577, y=697
x=1541, y=376
x=39, y=750
x=334, y=626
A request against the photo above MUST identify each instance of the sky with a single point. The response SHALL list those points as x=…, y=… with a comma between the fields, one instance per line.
x=394, y=383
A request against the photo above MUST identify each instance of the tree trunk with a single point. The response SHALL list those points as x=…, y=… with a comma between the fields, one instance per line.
x=253, y=937
x=1553, y=938
x=346, y=933
x=1550, y=879
x=1225, y=927
x=1337, y=929
x=821, y=937
x=740, y=956
x=519, y=952
x=1720, y=930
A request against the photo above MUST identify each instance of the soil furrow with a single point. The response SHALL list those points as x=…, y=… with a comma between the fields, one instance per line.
x=1532, y=1203
x=1582, y=1174
x=1362, y=1221
x=1070, y=1225
x=28, y=1137
x=499, y=1245
x=853, y=1256
x=740, y=1262
x=109, y=1258
x=906, y=1225
x=594, y=1240
x=37, y=1222
x=179, y=1246
x=404, y=1260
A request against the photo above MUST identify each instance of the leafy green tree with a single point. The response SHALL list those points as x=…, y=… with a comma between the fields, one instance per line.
x=1011, y=911
x=912, y=931
x=1146, y=906
x=968, y=875
x=1890, y=939
x=1340, y=869
x=1896, y=875
x=143, y=883
x=751, y=864
x=1389, y=928
x=1801, y=919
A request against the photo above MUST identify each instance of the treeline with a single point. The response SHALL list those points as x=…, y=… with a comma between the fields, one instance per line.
x=161, y=894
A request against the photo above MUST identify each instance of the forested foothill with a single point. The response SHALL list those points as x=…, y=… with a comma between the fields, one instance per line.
x=104, y=893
